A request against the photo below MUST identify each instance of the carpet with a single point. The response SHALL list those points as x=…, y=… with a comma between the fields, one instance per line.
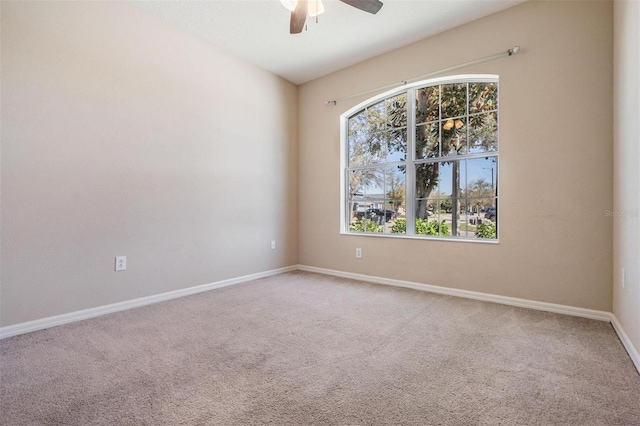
x=308, y=349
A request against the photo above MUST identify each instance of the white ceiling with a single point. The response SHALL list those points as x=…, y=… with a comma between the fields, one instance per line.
x=258, y=30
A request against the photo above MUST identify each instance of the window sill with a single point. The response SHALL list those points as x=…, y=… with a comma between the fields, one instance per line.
x=416, y=237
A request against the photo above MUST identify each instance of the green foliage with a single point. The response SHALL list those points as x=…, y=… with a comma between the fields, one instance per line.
x=365, y=226
x=399, y=227
x=487, y=230
x=431, y=227
x=423, y=227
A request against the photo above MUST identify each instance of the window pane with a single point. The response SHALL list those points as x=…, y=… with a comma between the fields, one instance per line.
x=445, y=180
x=358, y=124
x=452, y=174
x=366, y=193
x=454, y=136
x=367, y=183
x=472, y=222
x=454, y=100
x=356, y=192
x=378, y=143
x=488, y=223
x=375, y=185
x=452, y=177
x=397, y=145
x=427, y=141
x=366, y=223
x=427, y=104
x=398, y=226
x=435, y=223
x=427, y=178
x=369, y=149
x=395, y=184
x=358, y=151
x=481, y=181
x=377, y=117
x=397, y=110
x=483, y=132
x=357, y=138
x=481, y=194
x=465, y=229
x=483, y=97
x=395, y=190
x=356, y=185
x=364, y=147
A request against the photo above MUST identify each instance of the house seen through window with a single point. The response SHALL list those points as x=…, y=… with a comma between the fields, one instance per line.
x=423, y=161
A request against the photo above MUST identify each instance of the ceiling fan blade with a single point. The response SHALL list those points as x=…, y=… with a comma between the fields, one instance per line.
x=298, y=17
x=371, y=6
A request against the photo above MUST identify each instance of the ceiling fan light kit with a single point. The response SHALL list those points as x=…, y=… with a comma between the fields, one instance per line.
x=301, y=9
x=315, y=7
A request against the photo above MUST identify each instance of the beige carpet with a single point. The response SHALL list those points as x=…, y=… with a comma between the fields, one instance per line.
x=306, y=349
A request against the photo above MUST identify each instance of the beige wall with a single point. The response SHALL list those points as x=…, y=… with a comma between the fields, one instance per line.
x=555, y=159
x=626, y=301
x=124, y=136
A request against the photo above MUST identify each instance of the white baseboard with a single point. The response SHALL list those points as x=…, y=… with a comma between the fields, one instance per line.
x=504, y=300
x=40, y=324
x=626, y=342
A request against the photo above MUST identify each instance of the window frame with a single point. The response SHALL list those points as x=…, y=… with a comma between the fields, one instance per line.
x=412, y=161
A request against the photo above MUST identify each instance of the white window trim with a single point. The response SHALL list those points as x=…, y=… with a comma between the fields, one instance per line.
x=411, y=129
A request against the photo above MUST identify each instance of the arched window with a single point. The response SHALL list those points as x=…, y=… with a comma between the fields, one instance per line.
x=423, y=161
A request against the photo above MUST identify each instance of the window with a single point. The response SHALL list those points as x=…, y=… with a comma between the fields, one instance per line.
x=423, y=161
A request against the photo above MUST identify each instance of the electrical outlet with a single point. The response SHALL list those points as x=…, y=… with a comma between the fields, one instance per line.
x=121, y=263
x=359, y=253
x=273, y=244
x=622, y=277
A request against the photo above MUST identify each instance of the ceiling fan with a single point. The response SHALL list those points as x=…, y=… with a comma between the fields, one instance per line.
x=300, y=9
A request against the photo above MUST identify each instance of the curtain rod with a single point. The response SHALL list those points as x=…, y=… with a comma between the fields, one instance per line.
x=509, y=52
